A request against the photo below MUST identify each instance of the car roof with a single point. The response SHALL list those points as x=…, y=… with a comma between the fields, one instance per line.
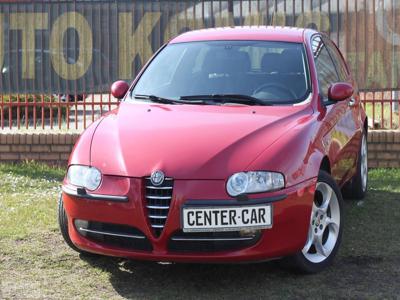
x=261, y=33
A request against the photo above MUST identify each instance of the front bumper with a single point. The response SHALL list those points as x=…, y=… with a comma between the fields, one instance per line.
x=291, y=216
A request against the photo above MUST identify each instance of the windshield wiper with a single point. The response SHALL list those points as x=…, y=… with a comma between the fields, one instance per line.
x=227, y=98
x=168, y=101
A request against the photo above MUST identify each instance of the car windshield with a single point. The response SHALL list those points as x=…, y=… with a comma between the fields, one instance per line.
x=257, y=72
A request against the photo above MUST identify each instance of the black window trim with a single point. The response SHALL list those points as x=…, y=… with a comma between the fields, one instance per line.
x=325, y=38
x=325, y=100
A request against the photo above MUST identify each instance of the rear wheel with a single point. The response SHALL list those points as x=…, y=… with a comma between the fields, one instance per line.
x=325, y=228
x=357, y=188
x=63, y=223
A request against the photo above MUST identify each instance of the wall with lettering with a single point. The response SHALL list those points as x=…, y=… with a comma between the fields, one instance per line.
x=83, y=46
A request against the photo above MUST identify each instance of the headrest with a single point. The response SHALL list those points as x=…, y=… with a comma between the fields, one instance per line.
x=270, y=62
x=226, y=61
x=288, y=62
x=294, y=61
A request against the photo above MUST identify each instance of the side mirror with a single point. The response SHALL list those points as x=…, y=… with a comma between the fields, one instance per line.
x=340, y=91
x=119, y=89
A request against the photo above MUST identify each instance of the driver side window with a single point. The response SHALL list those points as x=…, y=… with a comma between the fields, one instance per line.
x=326, y=70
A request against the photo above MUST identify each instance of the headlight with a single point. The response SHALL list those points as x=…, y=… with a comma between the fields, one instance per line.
x=254, y=182
x=84, y=176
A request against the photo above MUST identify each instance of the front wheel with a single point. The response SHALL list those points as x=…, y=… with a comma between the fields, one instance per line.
x=325, y=228
x=63, y=224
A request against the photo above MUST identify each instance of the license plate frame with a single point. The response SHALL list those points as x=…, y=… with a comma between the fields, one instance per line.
x=220, y=228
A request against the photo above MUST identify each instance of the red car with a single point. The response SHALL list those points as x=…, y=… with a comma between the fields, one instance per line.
x=231, y=145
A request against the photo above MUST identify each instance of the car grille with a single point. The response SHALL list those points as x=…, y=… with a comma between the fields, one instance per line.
x=158, y=200
x=121, y=236
x=211, y=241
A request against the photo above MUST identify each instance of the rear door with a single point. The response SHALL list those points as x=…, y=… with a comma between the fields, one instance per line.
x=351, y=118
x=339, y=121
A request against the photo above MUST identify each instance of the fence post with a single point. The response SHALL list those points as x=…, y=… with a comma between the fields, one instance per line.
x=395, y=103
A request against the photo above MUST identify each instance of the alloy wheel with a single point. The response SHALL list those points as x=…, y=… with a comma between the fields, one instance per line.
x=364, y=163
x=324, y=224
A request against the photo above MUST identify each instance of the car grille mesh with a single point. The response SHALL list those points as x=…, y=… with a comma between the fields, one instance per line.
x=117, y=235
x=158, y=200
x=211, y=241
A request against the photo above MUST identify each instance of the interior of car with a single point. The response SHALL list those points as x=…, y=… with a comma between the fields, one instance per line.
x=275, y=73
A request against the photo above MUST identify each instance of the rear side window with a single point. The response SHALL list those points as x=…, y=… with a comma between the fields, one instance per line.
x=326, y=70
x=337, y=59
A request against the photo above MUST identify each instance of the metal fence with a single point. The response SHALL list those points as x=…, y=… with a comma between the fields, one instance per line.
x=58, y=58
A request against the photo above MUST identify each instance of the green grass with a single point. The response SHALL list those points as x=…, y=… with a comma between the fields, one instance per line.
x=27, y=194
x=377, y=109
x=35, y=262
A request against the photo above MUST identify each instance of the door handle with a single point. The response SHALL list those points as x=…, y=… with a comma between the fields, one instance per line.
x=352, y=102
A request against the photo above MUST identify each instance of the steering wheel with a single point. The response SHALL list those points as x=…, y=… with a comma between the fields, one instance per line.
x=276, y=86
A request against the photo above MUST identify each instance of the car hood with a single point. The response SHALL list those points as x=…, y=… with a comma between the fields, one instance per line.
x=188, y=141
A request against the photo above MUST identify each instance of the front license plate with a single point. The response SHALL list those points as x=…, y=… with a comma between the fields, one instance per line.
x=230, y=218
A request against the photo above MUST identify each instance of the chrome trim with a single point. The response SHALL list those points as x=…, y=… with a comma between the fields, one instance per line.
x=352, y=102
x=157, y=226
x=159, y=187
x=157, y=177
x=306, y=101
x=74, y=192
x=247, y=238
x=159, y=197
x=157, y=207
x=158, y=200
x=166, y=178
x=112, y=234
x=157, y=217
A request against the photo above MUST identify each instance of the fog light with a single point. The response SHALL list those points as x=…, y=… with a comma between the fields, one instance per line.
x=249, y=232
x=81, y=224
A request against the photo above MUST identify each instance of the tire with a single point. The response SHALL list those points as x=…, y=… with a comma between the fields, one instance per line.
x=325, y=233
x=357, y=188
x=63, y=224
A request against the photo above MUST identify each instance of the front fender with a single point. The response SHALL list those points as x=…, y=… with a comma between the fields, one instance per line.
x=80, y=154
x=298, y=154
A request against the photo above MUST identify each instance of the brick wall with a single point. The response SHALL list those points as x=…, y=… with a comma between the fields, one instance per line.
x=54, y=148
x=384, y=149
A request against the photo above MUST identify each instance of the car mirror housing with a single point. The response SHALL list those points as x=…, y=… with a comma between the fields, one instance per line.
x=340, y=91
x=119, y=89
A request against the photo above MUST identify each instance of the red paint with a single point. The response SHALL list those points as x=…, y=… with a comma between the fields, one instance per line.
x=213, y=135
x=201, y=146
x=119, y=89
x=340, y=91
x=261, y=33
x=287, y=235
